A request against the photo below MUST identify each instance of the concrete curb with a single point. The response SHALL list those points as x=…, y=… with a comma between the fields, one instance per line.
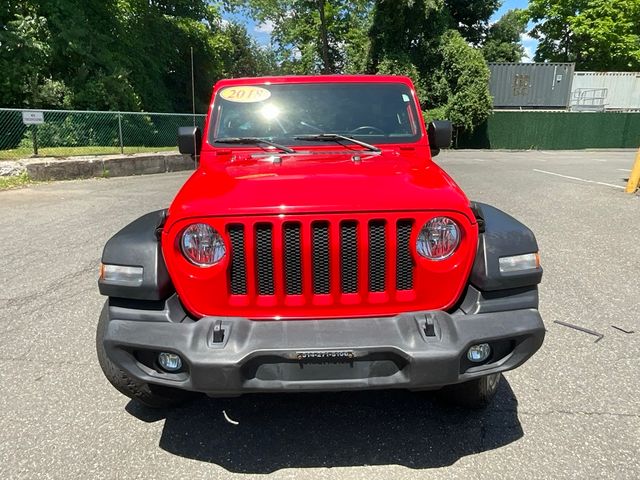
x=46, y=169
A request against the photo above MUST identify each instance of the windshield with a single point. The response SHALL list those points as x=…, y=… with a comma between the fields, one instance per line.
x=371, y=112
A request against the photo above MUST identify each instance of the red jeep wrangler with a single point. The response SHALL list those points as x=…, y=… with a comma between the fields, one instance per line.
x=317, y=247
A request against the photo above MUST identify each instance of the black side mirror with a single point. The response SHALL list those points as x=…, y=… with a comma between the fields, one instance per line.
x=440, y=133
x=189, y=140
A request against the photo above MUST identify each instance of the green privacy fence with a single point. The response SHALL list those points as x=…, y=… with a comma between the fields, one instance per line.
x=73, y=132
x=555, y=131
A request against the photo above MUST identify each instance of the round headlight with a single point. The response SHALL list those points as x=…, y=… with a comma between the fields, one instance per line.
x=202, y=245
x=438, y=239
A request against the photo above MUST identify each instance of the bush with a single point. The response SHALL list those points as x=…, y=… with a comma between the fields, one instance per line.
x=62, y=129
x=460, y=85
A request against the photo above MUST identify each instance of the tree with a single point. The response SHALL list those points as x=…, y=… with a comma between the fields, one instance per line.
x=120, y=54
x=246, y=58
x=402, y=65
x=610, y=35
x=596, y=34
x=412, y=37
x=471, y=17
x=406, y=29
x=25, y=59
x=310, y=36
x=503, y=38
x=135, y=54
x=155, y=51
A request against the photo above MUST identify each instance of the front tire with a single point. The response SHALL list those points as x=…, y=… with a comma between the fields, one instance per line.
x=153, y=396
x=474, y=394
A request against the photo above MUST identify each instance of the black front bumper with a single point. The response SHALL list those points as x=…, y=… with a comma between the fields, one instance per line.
x=313, y=355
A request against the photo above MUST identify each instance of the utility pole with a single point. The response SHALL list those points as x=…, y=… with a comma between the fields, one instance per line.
x=193, y=108
x=193, y=90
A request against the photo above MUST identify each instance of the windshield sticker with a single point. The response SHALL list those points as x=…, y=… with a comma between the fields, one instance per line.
x=406, y=98
x=245, y=94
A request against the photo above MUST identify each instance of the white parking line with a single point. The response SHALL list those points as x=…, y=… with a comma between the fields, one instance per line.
x=623, y=169
x=576, y=178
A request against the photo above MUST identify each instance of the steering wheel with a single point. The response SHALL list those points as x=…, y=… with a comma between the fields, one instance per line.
x=368, y=129
x=309, y=125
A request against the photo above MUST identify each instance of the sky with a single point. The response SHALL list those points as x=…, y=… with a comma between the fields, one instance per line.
x=261, y=32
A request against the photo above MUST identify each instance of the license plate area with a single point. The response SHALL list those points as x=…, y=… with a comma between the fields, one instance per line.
x=323, y=365
x=322, y=357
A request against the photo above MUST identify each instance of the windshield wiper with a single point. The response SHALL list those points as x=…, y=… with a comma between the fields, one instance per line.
x=336, y=137
x=254, y=141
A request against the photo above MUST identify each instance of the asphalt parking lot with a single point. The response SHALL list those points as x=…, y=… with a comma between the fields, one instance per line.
x=573, y=411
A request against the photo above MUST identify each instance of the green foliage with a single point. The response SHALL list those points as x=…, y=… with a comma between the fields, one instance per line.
x=356, y=44
x=471, y=17
x=24, y=55
x=459, y=87
x=503, y=38
x=120, y=54
x=63, y=133
x=403, y=66
x=246, y=58
x=399, y=31
x=135, y=54
x=451, y=76
x=70, y=130
x=596, y=34
x=313, y=36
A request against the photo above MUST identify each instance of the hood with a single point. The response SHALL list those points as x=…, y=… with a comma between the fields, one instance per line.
x=317, y=182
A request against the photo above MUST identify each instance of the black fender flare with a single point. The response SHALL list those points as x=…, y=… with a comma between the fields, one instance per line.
x=138, y=245
x=501, y=235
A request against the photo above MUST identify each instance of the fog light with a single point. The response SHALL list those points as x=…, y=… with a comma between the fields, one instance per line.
x=170, y=361
x=479, y=353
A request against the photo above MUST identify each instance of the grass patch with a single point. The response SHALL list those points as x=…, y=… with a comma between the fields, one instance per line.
x=75, y=151
x=16, y=181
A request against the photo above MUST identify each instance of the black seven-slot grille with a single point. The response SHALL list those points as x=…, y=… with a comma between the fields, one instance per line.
x=323, y=253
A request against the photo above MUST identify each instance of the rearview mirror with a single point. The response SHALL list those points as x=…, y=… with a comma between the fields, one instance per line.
x=189, y=140
x=440, y=133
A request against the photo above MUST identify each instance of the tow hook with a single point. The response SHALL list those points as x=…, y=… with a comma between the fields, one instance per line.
x=218, y=332
x=428, y=325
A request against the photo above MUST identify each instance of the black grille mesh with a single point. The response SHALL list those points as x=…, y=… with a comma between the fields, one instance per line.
x=238, y=270
x=377, y=256
x=349, y=257
x=292, y=254
x=292, y=259
x=404, y=262
x=264, y=259
x=320, y=257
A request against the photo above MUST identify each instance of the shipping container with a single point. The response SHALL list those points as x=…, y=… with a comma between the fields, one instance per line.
x=605, y=91
x=531, y=85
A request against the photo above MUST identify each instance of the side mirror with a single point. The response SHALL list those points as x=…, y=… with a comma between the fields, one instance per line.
x=189, y=140
x=440, y=133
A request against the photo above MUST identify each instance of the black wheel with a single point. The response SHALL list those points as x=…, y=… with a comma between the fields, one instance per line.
x=475, y=394
x=153, y=396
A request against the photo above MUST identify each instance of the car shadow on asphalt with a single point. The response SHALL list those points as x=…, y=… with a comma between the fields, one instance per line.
x=333, y=430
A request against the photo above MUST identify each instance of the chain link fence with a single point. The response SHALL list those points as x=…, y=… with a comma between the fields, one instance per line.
x=65, y=133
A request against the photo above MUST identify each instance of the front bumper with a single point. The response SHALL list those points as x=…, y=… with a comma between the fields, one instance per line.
x=317, y=355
